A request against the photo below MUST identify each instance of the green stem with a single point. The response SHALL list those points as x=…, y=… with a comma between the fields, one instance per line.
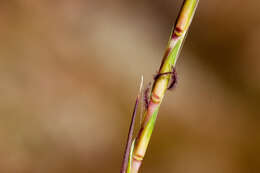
x=160, y=84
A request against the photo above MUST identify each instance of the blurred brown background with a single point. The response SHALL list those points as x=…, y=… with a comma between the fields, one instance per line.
x=69, y=73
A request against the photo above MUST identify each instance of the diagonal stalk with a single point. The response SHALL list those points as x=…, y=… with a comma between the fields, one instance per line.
x=161, y=83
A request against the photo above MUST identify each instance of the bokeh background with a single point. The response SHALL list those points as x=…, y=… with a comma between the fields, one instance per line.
x=69, y=75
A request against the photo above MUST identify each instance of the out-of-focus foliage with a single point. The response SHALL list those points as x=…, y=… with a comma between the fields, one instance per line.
x=69, y=75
